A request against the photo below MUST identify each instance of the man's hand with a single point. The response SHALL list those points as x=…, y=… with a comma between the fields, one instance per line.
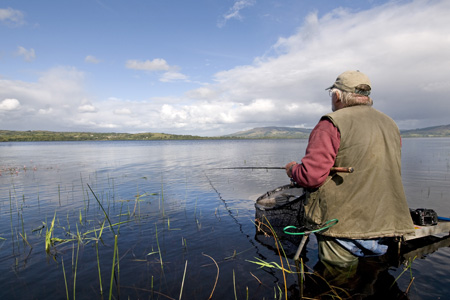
x=288, y=168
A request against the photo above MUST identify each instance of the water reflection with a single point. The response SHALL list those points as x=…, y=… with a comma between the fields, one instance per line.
x=191, y=208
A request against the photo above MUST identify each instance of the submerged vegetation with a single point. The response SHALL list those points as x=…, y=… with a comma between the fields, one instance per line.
x=94, y=230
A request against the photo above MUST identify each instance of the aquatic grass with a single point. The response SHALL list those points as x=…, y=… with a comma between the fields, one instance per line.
x=278, y=245
x=182, y=282
x=234, y=285
x=101, y=206
x=168, y=225
x=162, y=196
x=65, y=279
x=333, y=291
x=75, y=271
x=301, y=275
x=98, y=268
x=113, y=267
x=48, y=235
x=11, y=218
x=24, y=238
x=217, y=275
x=408, y=267
x=273, y=265
x=159, y=249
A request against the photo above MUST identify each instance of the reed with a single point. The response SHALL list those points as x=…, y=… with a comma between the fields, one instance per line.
x=159, y=249
x=301, y=276
x=48, y=235
x=408, y=267
x=234, y=286
x=101, y=206
x=75, y=271
x=65, y=279
x=162, y=196
x=98, y=257
x=11, y=218
x=113, y=267
x=24, y=238
x=182, y=283
x=217, y=275
x=278, y=245
x=99, y=271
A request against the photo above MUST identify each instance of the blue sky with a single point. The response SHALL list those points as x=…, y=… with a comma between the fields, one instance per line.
x=213, y=67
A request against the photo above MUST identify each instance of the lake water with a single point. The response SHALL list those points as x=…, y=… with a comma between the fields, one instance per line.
x=185, y=228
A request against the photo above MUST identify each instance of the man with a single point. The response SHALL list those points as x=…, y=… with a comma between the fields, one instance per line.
x=369, y=203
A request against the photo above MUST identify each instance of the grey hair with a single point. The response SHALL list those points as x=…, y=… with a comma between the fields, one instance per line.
x=352, y=99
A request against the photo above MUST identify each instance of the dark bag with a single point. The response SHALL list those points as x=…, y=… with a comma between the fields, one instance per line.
x=423, y=216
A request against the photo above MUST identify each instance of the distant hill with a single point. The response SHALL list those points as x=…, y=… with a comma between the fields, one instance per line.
x=255, y=133
x=42, y=135
x=302, y=133
x=272, y=133
x=435, y=131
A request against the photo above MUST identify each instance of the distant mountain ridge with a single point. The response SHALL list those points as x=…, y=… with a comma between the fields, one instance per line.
x=273, y=132
x=435, y=131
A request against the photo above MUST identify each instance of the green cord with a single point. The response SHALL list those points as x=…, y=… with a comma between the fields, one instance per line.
x=326, y=225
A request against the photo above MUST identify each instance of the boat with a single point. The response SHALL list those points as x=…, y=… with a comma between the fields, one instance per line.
x=283, y=207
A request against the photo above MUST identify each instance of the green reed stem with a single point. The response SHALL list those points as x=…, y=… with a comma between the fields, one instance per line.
x=101, y=206
x=65, y=279
x=234, y=285
x=159, y=249
x=98, y=257
x=39, y=204
x=76, y=265
x=118, y=272
x=162, y=196
x=98, y=267
x=113, y=266
x=408, y=267
x=48, y=235
x=10, y=215
x=182, y=283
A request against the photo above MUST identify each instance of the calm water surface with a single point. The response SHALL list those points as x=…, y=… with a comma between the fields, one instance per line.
x=176, y=215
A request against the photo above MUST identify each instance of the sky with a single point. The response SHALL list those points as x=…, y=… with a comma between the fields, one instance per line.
x=215, y=67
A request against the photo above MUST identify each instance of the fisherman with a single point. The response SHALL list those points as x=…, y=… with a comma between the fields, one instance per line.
x=370, y=203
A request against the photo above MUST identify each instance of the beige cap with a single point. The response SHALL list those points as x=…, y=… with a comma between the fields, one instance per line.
x=350, y=80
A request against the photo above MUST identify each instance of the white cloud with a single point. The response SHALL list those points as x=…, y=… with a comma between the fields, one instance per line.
x=122, y=111
x=28, y=55
x=406, y=60
x=234, y=11
x=173, y=76
x=171, y=73
x=157, y=64
x=87, y=108
x=51, y=102
x=202, y=93
x=45, y=111
x=91, y=59
x=11, y=17
x=9, y=104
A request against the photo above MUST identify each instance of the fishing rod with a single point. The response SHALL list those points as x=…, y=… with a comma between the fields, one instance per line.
x=333, y=169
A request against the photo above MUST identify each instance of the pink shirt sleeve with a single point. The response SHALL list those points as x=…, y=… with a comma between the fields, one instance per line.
x=320, y=155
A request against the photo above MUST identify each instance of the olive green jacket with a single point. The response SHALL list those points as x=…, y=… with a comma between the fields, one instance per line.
x=370, y=202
